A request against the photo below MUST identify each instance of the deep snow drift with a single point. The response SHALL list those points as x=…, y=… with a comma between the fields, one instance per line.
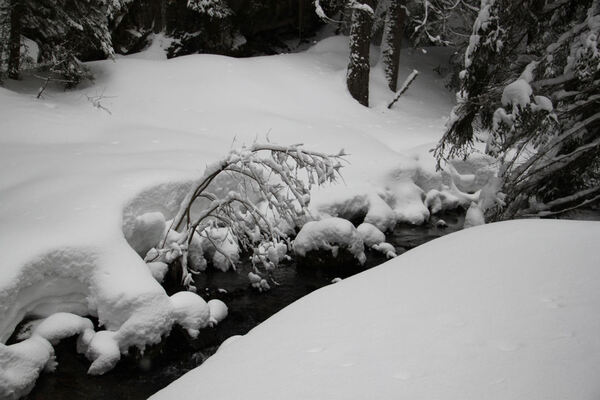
x=502, y=311
x=73, y=177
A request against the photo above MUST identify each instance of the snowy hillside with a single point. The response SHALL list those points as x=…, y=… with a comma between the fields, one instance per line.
x=503, y=311
x=76, y=167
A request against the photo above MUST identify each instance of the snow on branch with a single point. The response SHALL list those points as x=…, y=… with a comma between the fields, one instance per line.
x=355, y=5
x=278, y=177
x=321, y=13
x=413, y=75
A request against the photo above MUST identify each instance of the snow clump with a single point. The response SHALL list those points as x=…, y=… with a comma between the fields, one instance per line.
x=22, y=363
x=191, y=312
x=218, y=311
x=369, y=234
x=329, y=234
x=474, y=216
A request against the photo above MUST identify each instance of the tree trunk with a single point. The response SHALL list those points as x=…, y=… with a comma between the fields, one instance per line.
x=357, y=78
x=392, y=40
x=158, y=15
x=14, y=41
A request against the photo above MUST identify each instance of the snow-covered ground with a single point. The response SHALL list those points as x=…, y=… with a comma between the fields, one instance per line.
x=501, y=311
x=77, y=167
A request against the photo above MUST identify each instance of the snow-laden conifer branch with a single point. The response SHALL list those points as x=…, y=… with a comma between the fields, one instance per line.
x=321, y=13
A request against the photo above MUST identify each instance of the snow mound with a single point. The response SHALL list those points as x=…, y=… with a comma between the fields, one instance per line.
x=513, y=318
x=21, y=364
x=369, y=234
x=474, y=216
x=386, y=248
x=329, y=234
x=218, y=311
x=191, y=312
x=63, y=325
x=104, y=352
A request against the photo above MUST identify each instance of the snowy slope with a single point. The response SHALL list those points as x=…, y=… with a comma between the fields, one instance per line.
x=502, y=311
x=72, y=174
x=67, y=169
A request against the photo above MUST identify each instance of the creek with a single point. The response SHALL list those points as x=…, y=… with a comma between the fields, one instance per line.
x=138, y=376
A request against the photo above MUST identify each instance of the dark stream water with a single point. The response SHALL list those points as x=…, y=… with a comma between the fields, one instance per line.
x=138, y=377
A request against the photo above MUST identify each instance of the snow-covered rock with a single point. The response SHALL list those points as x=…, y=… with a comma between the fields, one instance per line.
x=379, y=213
x=191, y=312
x=386, y=248
x=218, y=311
x=329, y=234
x=104, y=352
x=513, y=318
x=408, y=202
x=369, y=234
x=21, y=364
x=258, y=282
x=474, y=216
x=63, y=325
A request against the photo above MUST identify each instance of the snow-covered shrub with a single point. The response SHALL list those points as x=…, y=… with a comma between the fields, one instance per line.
x=217, y=227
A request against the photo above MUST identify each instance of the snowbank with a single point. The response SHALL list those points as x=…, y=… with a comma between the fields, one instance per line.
x=74, y=179
x=501, y=311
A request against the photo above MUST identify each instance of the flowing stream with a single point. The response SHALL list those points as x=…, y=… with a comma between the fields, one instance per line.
x=139, y=376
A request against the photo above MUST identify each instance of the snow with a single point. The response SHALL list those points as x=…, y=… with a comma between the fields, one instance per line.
x=191, y=312
x=63, y=325
x=500, y=311
x=146, y=232
x=158, y=269
x=21, y=364
x=474, y=216
x=480, y=24
x=218, y=311
x=517, y=93
x=386, y=248
x=104, y=352
x=329, y=234
x=76, y=181
x=369, y=234
x=221, y=247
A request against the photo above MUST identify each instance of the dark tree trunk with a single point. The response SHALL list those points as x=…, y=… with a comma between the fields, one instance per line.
x=392, y=41
x=14, y=41
x=159, y=11
x=357, y=78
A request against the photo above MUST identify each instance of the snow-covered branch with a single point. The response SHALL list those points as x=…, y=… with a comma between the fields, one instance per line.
x=280, y=177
